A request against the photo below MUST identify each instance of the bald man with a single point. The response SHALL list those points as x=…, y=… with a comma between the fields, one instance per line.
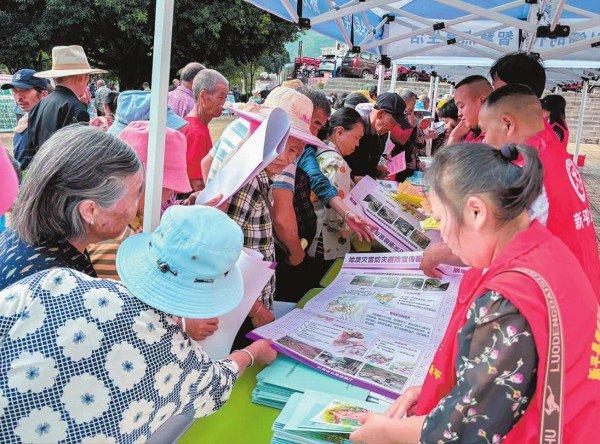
x=513, y=114
x=469, y=95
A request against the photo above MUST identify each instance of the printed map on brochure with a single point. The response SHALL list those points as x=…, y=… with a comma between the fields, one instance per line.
x=377, y=325
x=399, y=224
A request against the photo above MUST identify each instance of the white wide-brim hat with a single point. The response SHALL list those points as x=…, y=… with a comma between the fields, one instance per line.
x=68, y=61
x=297, y=106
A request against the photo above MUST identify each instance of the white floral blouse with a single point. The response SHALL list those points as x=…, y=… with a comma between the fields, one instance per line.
x=84, y=361
x=495, y=376
x=329, y=222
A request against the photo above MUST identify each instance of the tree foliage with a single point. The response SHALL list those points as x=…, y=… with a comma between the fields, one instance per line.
x=117, y=34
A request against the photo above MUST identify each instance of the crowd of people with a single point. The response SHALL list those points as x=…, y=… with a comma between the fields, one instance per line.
x=101, y=322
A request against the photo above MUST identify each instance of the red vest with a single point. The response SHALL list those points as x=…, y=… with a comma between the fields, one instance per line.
x=470, y=137
x=569, y=214
x=538, y=250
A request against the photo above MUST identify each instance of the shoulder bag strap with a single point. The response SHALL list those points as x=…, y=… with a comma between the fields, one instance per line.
x=552, y=401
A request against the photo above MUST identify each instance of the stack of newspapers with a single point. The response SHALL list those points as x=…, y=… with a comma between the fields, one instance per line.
x=285, y=376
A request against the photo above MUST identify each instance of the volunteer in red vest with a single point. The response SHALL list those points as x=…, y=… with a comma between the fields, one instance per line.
x=494, y=377
x=513, y=114
x=469, y=95
x=528, y=70
x=553, y=108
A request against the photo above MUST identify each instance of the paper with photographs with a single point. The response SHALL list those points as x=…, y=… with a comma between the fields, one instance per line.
x=253, y=156
x=374, y=326
x=399, y=223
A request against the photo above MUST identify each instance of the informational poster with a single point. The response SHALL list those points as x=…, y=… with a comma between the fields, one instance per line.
x=376, y=327
x=399, y=227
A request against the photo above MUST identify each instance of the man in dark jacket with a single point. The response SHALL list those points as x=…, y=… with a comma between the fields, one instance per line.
x=71, y=73
x=27, y=91
x=380, y=118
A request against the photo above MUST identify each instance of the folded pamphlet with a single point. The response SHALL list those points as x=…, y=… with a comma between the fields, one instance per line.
x=254, y=155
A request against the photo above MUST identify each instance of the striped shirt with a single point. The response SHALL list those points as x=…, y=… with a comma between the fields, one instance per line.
x=286, y=180
x=104, y=254
x=230, y=140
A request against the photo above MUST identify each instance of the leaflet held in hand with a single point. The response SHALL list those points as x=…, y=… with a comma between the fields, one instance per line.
x=398, y=223
x=256, y=274
x=254, y=155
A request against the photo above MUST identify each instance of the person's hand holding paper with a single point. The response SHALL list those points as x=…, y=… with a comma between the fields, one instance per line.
x=254, y=155
x=256, y=273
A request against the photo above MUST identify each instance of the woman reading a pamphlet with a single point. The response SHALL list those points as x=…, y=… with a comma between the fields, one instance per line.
x=342, y=135
x=520, y=359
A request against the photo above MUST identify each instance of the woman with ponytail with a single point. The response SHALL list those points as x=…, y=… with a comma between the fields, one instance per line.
x=519, y=360
x=553, y=108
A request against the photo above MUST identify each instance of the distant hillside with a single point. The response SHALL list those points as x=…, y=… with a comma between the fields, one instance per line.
x=312, y=42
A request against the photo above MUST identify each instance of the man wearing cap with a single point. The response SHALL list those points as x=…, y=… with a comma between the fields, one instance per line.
x=27, y=91
x=71, y=73
x=380, y=118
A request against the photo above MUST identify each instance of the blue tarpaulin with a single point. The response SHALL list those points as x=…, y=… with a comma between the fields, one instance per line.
x=484, y=29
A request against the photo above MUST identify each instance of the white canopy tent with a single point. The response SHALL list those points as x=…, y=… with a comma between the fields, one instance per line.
x=450, y=33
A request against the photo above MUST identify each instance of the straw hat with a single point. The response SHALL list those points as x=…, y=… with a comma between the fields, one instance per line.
x=68, y=61
x=298, y=107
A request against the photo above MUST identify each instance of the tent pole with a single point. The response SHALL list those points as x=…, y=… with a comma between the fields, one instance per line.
x=432, y=103
x=161, y=61
x=394, y=77
x=381, y=74
x=430, y=93
x=584, y=96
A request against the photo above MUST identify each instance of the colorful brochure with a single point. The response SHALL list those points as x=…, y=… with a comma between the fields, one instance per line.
x=398, y=223
x=376, y=326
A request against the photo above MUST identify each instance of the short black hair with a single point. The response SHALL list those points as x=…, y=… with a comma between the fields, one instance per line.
x=469, y=80
x=318, y=99
x=510, y=90
x=448, y=110
x=339, y=102
x=519, y=67
x=354, y=99
x=111, y=101
x=344, y=117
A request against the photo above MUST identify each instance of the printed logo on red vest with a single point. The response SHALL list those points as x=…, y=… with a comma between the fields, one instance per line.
x=576, y=180
x=436, y=373
x=594, y=372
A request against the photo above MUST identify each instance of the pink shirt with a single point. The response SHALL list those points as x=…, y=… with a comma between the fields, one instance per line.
x=9, y=183
x=181, y=100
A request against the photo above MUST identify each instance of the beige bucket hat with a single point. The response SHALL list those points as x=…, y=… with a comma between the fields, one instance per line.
x=298, y=107
x=68, y=61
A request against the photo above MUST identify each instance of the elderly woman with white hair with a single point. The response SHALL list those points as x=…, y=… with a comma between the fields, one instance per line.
x=88, y=360
x=81, y=188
